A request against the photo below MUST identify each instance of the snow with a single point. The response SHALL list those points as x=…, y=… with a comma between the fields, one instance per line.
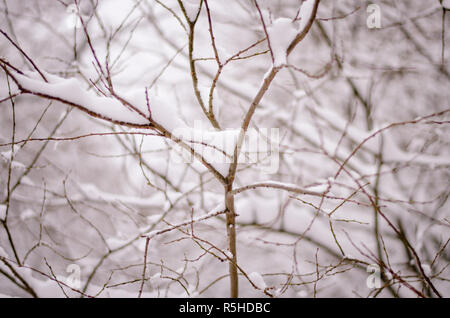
x=163, y=113
x=281, y=34
x=391, y=151
x=300, y=93
x=219, y=207
x=18, y=165
x=72, y=20
x=6, y=155
x=427, y=269
x=2, y=211
x=258, y=280
x=348, y=257
x=320, y=122
x=318, y=188
x=74, y=91
x=216, y=147
x=27, y=214
x=272, y=183
x=156, y=276
x=116, y=242
x=446, y=4
x=259, y=148
x=154, y=218
x=305, y=13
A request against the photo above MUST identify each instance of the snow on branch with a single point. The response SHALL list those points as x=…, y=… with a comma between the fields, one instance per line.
x=281, y=34
x=71, y=92
x=317, y=190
